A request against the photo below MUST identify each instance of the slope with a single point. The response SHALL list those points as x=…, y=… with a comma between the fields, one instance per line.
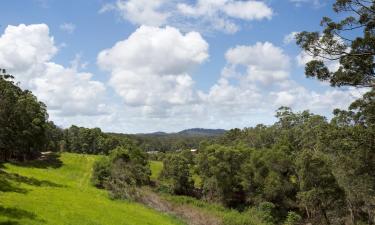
x=58, y=192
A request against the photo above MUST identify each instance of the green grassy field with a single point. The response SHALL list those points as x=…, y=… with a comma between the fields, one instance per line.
x=60, y=192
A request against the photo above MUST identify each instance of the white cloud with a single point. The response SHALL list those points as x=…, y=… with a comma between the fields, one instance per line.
x=222, y=15
x=303, y=57
x=316, y=3
x=246, y=10
x=68, y=92
x=264, y=62
x=139, y=12
x=291, y=37
x=148, y=71
x=23, y=48
x=26, y=51
x=237, y=99
x=68, y=27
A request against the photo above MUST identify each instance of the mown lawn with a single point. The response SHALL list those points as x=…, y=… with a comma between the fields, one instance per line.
x=59, y=193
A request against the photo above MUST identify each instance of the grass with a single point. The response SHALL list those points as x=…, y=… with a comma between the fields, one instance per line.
x=60, y=193
x=156, y=167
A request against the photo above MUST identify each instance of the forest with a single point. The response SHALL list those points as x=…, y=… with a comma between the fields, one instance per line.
x=303, y=169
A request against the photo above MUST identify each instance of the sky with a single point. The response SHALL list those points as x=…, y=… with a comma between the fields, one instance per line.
x=136, y=66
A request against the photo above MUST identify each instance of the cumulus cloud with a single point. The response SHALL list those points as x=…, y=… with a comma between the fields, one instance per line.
x=23, y=48
x=264, y=62
x=220, y=15
x=238, y=98
x=27, y=52
x=139, y=12
x=150, y=68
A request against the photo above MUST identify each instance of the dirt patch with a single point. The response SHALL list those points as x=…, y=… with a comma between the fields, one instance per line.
x=192, y=215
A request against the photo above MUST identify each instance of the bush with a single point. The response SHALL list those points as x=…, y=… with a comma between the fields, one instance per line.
x=250, y=217
x=101, y=172
x=122, y=171
x=176, y=174
x=292, y=218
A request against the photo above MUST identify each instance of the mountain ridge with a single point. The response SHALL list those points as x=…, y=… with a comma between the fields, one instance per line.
x=189, y=132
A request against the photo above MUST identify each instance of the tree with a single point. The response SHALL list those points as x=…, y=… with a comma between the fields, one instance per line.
x=23, y=121
x=219, y=167
x=176, y=172
x=122, y=172
x=349, y=143
x=319, y=191
x=340, y=42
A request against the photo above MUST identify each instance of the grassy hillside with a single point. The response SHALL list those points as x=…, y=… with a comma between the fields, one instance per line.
x=59, y=192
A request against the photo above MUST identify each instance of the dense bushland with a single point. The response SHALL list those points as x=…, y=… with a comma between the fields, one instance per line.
x=302, y=166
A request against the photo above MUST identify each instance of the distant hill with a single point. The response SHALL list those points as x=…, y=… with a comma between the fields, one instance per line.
x=159, y=133
x=202, y=132
x=187, y=132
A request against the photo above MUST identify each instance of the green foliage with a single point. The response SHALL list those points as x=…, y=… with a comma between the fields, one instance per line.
x=101, y=172
x=349, y=41
x=219, y=167
x=251, y=216
x=292, y=219
x=122, y=171
x=324, y=171
x=176, y=174
x=23, y=121
x=91, y=141
x=319, y=192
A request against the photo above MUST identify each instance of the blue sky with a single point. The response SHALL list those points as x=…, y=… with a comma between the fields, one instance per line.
x=142, y=66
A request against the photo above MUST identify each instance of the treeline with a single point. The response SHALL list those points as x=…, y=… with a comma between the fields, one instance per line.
x=167, y=142
x=90, y=141
x=95, y=141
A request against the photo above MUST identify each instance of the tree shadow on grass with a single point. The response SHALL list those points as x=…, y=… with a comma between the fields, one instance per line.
x=15, y=213
x=10, y=222
x=46, y=160
x=6, y=186
x=7, y=181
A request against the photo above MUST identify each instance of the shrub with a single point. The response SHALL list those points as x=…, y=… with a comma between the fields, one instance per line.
x=122, y=171
x=292, y=218
x=176, y=173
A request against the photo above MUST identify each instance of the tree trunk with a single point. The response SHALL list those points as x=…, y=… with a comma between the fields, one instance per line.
x=352, y=215
x=307, y=212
